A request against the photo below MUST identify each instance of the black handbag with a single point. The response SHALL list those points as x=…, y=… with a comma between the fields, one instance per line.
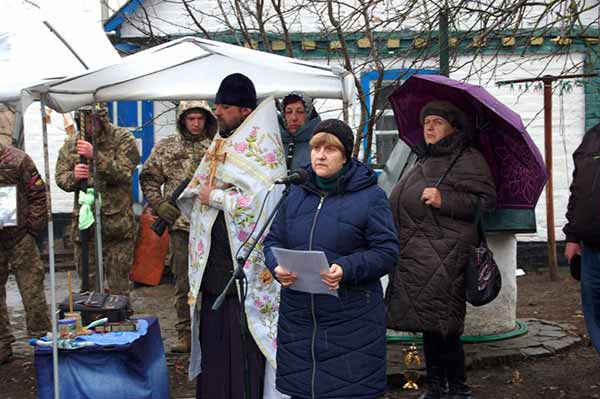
x=483, y=280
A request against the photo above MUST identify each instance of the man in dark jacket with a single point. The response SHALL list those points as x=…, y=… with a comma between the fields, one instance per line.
x=583, y=227
x=18, y=251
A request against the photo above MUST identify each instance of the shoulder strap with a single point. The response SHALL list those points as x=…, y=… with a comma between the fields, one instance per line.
x=441, y=179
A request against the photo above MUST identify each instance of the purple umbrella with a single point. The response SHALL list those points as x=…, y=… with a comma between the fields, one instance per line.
x=515, y=161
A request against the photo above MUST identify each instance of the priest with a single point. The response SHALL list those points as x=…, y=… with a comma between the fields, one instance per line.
x=223, y=202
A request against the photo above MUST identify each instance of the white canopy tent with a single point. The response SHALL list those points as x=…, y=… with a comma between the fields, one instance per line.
x=192, y=68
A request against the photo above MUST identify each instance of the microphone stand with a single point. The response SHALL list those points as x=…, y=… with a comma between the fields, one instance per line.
x=240, y=276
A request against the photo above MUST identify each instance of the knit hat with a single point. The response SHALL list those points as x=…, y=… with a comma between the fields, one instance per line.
x=237, y=89
x=446, y=110
x=340, y=130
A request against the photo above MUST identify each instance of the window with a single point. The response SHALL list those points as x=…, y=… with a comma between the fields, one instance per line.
x=385, y=134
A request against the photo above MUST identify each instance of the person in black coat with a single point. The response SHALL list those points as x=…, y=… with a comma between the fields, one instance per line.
x=334, y=347
x=437, y=231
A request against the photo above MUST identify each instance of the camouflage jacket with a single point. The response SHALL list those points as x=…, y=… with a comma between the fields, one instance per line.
x=116, y=156
x=172, y=158
x=17, y=169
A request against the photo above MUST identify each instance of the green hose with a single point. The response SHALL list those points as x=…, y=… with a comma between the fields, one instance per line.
x=520, y=329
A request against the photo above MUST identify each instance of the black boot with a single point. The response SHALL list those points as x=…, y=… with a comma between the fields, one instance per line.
x=434, y=387
x=454, y=365
x=435, y=380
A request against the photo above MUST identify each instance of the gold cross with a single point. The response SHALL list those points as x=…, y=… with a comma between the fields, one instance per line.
x=215, y=157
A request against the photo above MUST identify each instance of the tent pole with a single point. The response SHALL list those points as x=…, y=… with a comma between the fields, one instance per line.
x=50, y=250
x=67, y=45
x=97, y=208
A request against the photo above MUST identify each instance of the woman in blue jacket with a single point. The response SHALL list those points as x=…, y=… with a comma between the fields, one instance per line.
x=334, y=347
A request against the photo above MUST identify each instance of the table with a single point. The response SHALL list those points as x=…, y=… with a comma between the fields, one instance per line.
x=126, y=371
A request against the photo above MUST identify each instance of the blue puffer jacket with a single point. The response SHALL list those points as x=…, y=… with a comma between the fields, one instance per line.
x=331, y=347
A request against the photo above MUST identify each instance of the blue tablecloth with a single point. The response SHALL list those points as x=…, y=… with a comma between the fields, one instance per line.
x=135, y=370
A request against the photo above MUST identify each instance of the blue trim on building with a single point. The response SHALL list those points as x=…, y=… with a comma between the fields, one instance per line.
x=114, y=22
x=391, y=74
x=127, y=116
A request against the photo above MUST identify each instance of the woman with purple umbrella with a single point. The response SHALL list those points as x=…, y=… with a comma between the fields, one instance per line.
x=434, y=207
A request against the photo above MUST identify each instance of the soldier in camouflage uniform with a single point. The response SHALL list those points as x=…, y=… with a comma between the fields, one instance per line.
x=116, y=156
x=167, y=165
x=18, y=251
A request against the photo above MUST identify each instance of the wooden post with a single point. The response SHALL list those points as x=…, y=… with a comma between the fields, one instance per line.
x=443, y=39
x=552, y=265
x=548, y=80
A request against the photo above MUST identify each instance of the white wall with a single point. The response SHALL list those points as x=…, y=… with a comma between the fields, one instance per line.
x=61, y=201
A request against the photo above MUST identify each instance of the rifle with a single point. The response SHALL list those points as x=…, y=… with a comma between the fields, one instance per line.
x=160, y=224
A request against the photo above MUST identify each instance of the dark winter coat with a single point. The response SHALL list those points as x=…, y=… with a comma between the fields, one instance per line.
x=583, y=218
x=331, y=347
x=427, y=290
x=301, y=147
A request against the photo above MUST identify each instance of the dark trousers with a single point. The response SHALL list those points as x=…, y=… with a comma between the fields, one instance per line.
x=444, y=358
x=590, y=293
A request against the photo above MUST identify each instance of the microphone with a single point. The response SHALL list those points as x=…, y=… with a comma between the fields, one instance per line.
x=296, y=176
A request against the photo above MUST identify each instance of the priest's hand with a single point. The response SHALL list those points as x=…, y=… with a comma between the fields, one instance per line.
x=85, y=148
x=285, y=277
x=431, y=196
x=333, y=277
x=82, y=171
x=205, y=195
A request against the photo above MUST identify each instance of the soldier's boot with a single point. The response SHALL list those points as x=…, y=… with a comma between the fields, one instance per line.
x=183, y=345
x=6, y=353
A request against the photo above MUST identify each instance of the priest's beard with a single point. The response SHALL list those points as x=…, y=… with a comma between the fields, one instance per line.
x=226, y=131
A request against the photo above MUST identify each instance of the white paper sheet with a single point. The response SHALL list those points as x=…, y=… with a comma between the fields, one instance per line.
x=8, y=206
x=307, y=265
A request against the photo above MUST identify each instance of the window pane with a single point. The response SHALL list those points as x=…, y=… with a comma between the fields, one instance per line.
x=384, y=92
x=386, y=122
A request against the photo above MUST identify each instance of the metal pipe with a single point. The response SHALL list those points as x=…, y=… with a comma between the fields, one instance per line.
x=552, y=265
x=97, y=208
x=67, y=45
x=50, y=250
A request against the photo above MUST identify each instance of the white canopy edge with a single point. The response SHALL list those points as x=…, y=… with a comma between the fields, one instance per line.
x=193, y=68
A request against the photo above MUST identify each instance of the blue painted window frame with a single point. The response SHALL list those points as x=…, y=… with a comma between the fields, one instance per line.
x=127, y=112
x=390, y=74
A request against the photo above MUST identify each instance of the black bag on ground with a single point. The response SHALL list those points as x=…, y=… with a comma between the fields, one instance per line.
x=482, y=276
x=94, y=306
